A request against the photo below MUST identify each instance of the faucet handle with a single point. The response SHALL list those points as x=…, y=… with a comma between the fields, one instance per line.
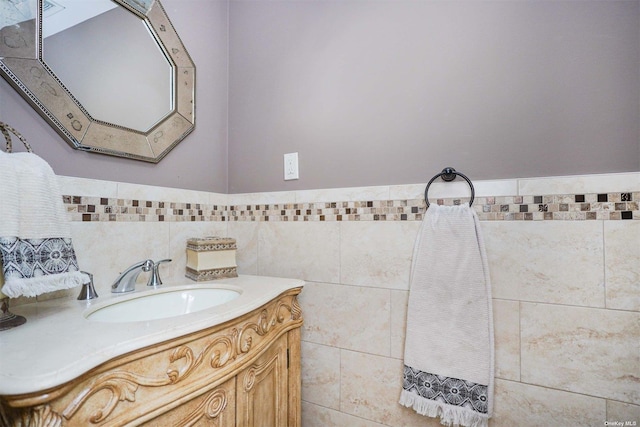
x=155, y=280
x=88, y=291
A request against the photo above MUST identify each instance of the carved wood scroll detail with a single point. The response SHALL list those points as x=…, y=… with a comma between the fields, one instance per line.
x=122, y=385
x=222, y=350
x=249, y=379
x=252, y=374
x=38, y=416
x=211, y=408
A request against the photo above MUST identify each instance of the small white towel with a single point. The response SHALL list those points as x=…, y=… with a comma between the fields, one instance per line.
x=449, y=354
x=35, y=236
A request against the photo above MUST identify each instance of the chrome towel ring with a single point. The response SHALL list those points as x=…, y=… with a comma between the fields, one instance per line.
x=449, y=174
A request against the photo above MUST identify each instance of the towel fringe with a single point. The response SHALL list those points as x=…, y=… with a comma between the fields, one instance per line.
x=449, y=415
x=34, y=286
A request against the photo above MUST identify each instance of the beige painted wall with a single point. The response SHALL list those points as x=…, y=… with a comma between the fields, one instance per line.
x=390, y=92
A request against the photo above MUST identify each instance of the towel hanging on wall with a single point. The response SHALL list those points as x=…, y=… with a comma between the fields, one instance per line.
x=449, y=354
x=35, y=237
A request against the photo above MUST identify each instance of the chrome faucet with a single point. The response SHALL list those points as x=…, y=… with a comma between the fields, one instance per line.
x=126, y=282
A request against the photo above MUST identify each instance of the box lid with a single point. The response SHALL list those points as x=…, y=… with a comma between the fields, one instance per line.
x=211, y=243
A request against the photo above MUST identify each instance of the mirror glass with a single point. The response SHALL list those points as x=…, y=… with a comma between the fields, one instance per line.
x=81, y=48
x=110, y=76
x=15, y=12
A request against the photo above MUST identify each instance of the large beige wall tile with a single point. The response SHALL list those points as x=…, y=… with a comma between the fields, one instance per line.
x=399, y=302
x=181, y=232
x=504, y=266
x=458, y=188
x=72, y=186
x=318, y=416
x=350, y=317
x=579, y=184
x=342, y=194
x=506, y=327
x=377, y=254
x=300, y=250
x=151, y=192
x=519, y=404
x=546, y=261
x=370, y=388
x=246, y=235
x=623, y=412
x=584, y=350
x=107, y=248
x=321, y=375
x=263, y=198
x=622, y=262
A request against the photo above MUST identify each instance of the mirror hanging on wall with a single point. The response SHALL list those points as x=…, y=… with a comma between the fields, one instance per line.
x=135, y=78
x=128, y=93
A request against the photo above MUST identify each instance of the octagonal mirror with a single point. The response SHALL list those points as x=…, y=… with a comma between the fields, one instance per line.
x=128, y=93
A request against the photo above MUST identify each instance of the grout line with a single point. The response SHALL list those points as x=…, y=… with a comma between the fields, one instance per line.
x=604, y=265
x=390, y=323
x=605, y=399
x=339, y=411
x=340, y=379
x=520, y=340
x=587, y=307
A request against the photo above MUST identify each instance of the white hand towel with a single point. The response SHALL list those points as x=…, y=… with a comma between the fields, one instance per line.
x=449, y=354
x=35, y=236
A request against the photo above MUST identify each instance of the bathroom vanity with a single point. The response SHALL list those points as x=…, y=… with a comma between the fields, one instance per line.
x=236, y=364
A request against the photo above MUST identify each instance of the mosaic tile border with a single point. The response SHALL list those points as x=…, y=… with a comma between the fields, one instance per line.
x=573, y=207
x=90, y=209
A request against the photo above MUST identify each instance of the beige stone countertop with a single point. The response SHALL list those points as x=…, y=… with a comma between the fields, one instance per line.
x=58, y=344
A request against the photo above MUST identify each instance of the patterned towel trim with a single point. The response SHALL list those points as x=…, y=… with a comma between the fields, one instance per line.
x=455, y=401
x=35, y=266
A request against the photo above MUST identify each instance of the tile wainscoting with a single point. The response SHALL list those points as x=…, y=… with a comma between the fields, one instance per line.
x=565, y=271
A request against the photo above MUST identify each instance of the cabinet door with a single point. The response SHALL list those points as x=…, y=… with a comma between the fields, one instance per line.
x=215, y=408
x=262, y=389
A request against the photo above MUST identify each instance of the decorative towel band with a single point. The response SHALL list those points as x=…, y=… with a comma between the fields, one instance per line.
x=451, y=391
x=37, y=257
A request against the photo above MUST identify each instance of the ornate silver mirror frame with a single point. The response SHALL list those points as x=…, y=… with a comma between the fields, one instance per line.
x=22, y=65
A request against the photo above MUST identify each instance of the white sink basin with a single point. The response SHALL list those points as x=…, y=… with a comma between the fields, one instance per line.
x=160, y=304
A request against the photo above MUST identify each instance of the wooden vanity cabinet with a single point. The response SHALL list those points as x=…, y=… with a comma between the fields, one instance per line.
x=243, y=373
x=261, y=390
x=213, y=409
